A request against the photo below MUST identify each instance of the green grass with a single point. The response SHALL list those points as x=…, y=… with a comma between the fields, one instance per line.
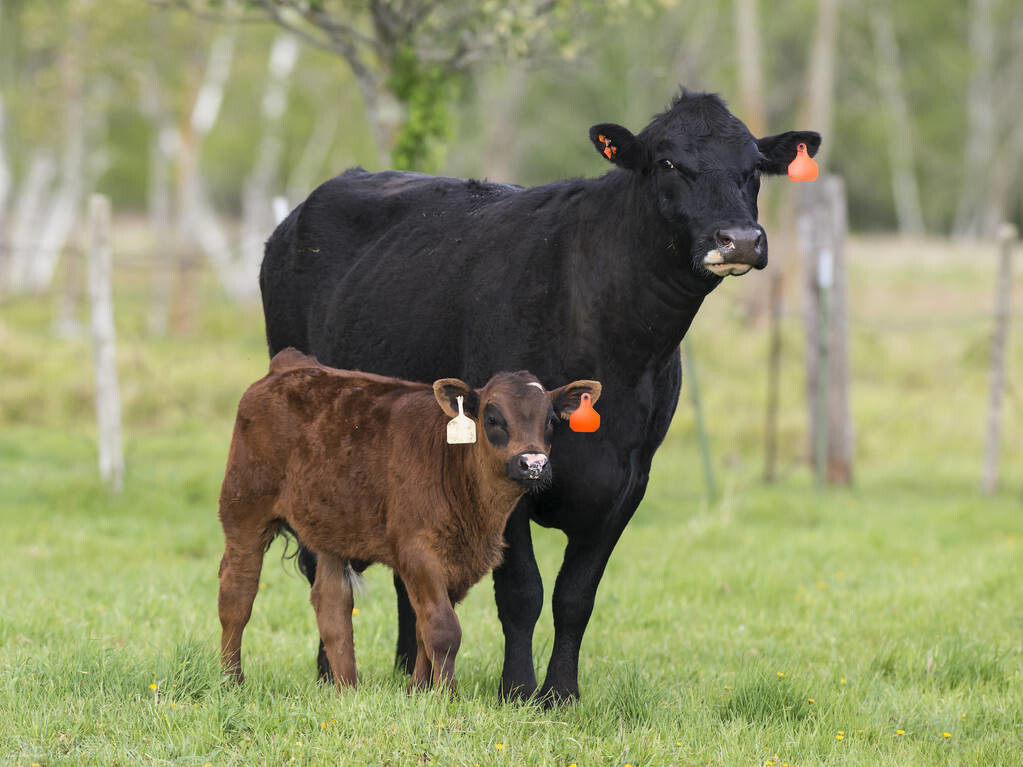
x=756, y=629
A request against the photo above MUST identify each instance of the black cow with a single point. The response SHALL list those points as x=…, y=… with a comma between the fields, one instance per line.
x=421, y=277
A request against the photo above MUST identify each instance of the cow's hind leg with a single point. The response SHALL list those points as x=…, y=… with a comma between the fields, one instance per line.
x=239, y=582
x=332, y=600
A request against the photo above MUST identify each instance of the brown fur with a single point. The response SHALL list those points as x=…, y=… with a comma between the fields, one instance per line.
x=358, y=466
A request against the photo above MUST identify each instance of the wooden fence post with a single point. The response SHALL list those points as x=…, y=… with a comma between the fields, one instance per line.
x=1007, y=235
x=104, y=352
x=822, y=228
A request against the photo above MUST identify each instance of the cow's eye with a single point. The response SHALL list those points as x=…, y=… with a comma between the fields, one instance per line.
x=493, y=421
x=666, y=164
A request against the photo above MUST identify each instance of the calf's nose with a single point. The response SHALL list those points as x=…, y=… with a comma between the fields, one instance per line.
x=742, y=245
x=530, y=465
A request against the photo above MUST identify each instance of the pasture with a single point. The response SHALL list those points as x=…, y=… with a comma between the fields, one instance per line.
x=781, y=625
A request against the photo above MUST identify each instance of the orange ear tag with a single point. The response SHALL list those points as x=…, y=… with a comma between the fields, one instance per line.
x=803, y=168
x=585, y=418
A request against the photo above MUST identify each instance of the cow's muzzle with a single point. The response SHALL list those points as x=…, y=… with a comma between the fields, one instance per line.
x=737, y=250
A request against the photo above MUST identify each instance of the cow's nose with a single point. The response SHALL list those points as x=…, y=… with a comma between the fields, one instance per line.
x=741, y=244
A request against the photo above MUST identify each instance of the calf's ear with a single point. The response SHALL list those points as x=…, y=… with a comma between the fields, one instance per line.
x=446, y=390
x=780, y=150
x=566, y=399
x=619, y=146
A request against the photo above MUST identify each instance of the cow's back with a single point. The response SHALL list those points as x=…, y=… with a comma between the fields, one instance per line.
x=354, y=218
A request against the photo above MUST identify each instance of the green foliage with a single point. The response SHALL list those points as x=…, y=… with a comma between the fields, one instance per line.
x=427, y=93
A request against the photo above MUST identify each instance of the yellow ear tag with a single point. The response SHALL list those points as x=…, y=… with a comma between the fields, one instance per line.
x=461, y=428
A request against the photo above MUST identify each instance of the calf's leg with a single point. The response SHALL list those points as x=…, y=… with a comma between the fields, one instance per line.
x=332, y=600
x=239, y=582
x=307, y=564
x=439, y=633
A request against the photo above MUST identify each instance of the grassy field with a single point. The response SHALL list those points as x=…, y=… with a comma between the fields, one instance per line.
x=781, y=625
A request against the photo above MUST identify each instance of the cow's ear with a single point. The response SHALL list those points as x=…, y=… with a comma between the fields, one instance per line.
x=566, y=399
x=447, y=390
x=780, y=150
x=619, y=146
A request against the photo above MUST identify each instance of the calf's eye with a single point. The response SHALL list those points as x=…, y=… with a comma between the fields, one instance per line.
x=666, y=164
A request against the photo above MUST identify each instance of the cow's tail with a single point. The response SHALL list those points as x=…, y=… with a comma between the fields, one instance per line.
x=306, y=561
x=353, y=579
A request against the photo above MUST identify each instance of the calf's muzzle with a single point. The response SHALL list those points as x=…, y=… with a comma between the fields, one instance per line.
x=527, y=468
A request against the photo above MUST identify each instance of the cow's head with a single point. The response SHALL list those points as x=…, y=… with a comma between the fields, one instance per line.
x=517, y=416
x=703, y=167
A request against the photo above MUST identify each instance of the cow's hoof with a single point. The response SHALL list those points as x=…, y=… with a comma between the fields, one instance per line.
x=551, y=697
x=517, y=692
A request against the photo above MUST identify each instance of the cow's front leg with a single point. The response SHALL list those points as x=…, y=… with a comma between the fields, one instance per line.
x=518, y=591
x=572, y=604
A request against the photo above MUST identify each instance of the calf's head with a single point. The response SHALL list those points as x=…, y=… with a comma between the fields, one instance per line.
x=701, y=168
x=516, y=416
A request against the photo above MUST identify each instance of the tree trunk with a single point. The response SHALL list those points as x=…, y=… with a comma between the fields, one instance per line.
x=900, y=132
x=26, y=219
x=821, y=77
x=503, y=108
x=980, y=117
x=307, y=172
x=191, y=206
x=257, y=207
x=751, y=69
x=57, y=226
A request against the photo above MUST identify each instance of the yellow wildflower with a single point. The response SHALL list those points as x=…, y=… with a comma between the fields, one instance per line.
x=840, y=736
x=355, y=611
x=152, y=686
x=780, y=674
x=947, y=734
x=499, y=746
x=900, y=732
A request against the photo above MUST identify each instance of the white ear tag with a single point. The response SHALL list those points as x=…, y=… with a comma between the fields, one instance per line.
x=461, y=428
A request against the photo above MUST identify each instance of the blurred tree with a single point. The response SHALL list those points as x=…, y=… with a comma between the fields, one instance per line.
x=407, y=56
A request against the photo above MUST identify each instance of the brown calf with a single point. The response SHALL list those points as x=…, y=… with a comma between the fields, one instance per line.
x=358, y=466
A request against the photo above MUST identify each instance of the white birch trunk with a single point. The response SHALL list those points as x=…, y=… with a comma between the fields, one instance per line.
x=308, y=171
x=56, y=227
x=980, y=118
x=26, y=219
x=257, y=205
x=821, y=81
x=900, y=134
x=104, y=348
x=751, y=70
x=5, y=179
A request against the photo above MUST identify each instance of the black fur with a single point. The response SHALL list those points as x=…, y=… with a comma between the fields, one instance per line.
x=422, y=277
